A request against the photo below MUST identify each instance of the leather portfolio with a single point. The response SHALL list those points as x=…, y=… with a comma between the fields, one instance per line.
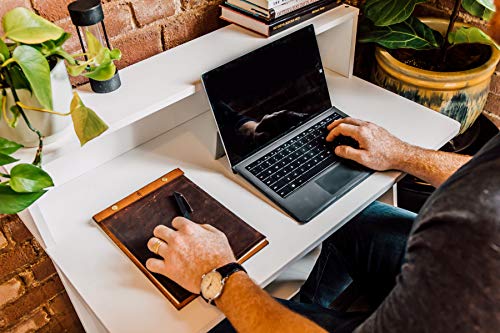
x=130, y=223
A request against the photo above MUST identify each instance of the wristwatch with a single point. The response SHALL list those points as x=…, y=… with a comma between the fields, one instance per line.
x=212, y=283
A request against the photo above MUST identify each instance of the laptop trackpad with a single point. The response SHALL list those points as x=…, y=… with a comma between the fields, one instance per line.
x=339, y=177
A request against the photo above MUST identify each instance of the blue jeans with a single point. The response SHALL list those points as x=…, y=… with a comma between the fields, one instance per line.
x=368, y=251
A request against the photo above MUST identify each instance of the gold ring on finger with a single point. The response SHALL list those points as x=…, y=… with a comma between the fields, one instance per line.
x=156, y=246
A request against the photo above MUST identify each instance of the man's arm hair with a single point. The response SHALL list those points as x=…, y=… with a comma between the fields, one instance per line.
x=434, y=167
x=251, y=309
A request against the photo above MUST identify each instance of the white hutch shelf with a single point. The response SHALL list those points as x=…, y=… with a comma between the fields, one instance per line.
x=170, y=83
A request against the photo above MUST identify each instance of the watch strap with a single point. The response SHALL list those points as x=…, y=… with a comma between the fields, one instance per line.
x=229, y=269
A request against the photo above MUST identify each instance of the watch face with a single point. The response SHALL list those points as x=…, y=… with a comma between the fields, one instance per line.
x=211, y=285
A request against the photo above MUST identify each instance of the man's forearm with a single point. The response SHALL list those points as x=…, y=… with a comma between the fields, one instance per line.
x=250, y=309
x=433, y=167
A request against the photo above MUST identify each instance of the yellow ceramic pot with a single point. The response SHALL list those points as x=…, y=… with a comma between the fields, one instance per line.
x=459, y=95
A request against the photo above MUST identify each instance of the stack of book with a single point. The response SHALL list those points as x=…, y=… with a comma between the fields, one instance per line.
x=268, y=17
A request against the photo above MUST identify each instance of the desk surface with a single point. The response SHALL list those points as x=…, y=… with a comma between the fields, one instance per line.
x=123, y=299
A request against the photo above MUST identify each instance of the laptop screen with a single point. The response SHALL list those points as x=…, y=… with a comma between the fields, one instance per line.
x=264, y=94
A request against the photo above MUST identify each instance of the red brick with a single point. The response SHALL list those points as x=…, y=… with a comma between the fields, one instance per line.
x=495, y=83
x=184, y=28
x=62, y=311
x=138, y=45
x=17, y=230
x=148, y=11
x=53, y=326
x=72, y=45
x=10, y=290
x=14, y=260
x=28, y=278
x=43, y=269
x=52, y=10
x=493, y=104
x=117, y=18
x=3, y=241
x=60, y=304
x=33, y=323
x=31, y=300
x=72, y=321
x=7, y=5
x=78, y=81
x=199, y=5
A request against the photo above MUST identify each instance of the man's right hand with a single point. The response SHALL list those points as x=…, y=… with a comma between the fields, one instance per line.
x=378, y=149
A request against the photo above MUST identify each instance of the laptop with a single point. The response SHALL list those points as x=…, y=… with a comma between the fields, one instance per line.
x=272, y=107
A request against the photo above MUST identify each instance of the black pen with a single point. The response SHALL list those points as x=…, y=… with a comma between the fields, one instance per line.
x=183, y=205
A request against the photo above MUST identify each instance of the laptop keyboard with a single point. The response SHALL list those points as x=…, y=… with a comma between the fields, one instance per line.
x=294, y=163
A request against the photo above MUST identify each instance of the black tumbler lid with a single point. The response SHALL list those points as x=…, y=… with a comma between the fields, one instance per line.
x=86, y=12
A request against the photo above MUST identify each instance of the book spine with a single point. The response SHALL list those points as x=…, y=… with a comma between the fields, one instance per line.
x=274, y=3
x=248, y=12
x=294, y=20
x=249, y=7
x=267, y=4
x=289, y=7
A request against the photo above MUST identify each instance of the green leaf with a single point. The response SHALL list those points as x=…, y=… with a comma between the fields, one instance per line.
x=61, y=40
x=105, y=68
x=6, y=159
x=9, y=147
x=51, y=47
x=411, y=34
x=19, y=80
x=14, y=109
x=12, y=202
x=37, y=71
x=87, y=123
x=65, y=55
x=387, y=12
x=27, y=178
x=484, y=9
x=75, y=70
x=102, y=73
x=94, y=47
x=116, y=54
x=471, y=35
x=22, y=25
x=103, y=58
x=4, y=50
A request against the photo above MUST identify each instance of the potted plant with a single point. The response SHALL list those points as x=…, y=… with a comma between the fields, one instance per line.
x=442, y=64
x=35, y=89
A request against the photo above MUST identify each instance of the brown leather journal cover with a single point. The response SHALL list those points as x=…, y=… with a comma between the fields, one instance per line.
x=130, y=223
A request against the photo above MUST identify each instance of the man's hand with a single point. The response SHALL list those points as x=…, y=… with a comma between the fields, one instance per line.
x=378, y=149
x=188, y=252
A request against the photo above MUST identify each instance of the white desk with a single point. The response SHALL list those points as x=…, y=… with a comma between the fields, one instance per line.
x=158, y=121
x=118, y=293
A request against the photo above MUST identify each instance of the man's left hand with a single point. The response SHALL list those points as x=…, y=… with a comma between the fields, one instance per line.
x=188, y=251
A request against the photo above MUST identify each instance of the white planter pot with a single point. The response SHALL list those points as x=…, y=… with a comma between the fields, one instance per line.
x=51, y=126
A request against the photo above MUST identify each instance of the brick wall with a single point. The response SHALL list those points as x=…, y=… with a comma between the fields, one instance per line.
x=31, y=294
x=32, y=297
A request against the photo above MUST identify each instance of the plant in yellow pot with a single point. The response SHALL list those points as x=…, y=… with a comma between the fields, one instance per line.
x=444, y=65
x=34, y=88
